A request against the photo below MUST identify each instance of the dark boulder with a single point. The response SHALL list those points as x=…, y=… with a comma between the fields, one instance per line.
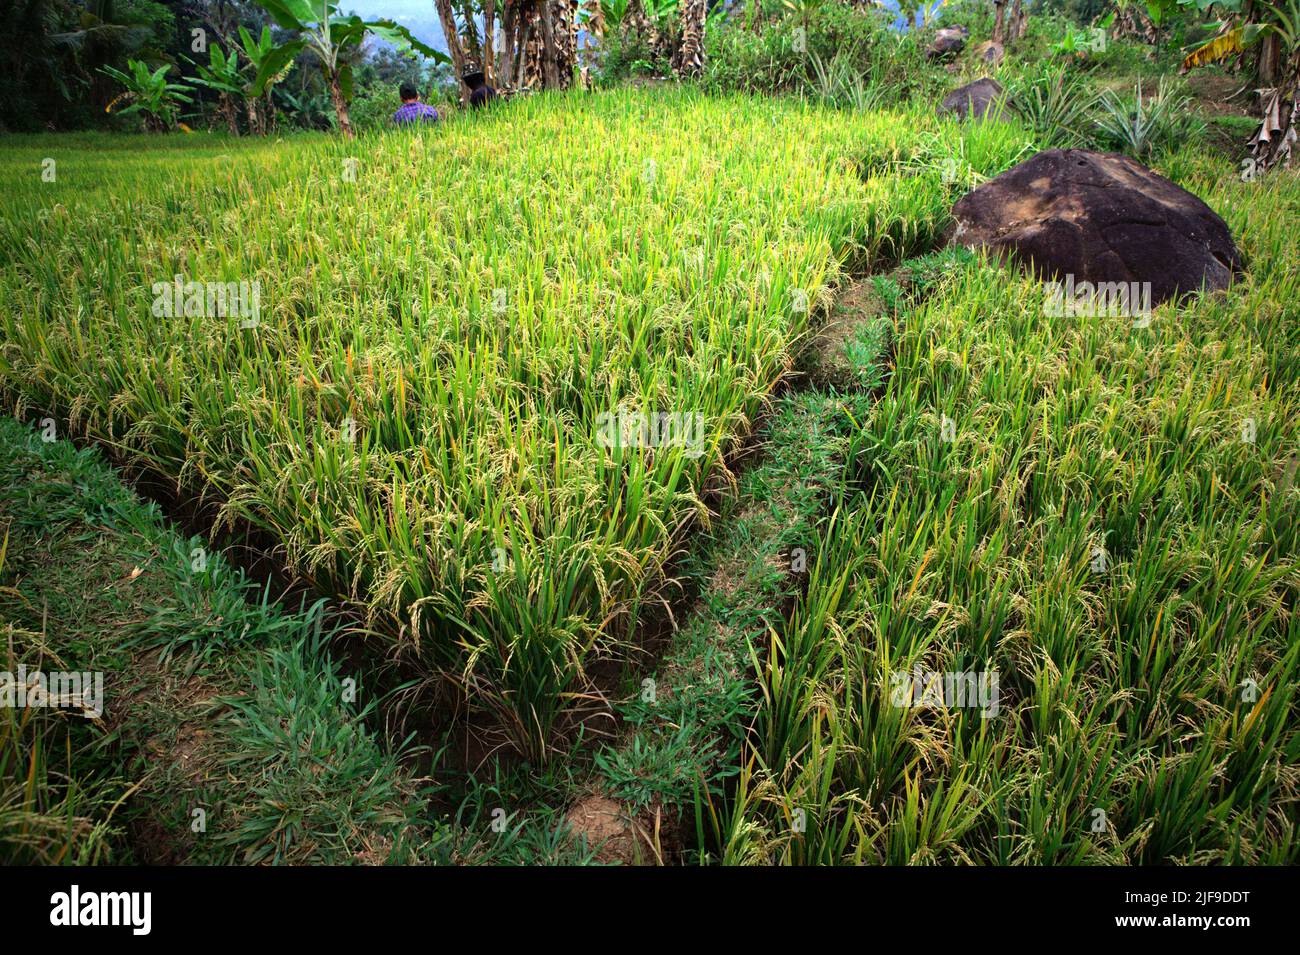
x=1078, y=216
x=975, y=100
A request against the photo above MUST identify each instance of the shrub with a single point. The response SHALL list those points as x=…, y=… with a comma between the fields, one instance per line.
x=373, y=108
x=1145, y=125
x=622, y=58
x=833, y=48
x=1055, y=104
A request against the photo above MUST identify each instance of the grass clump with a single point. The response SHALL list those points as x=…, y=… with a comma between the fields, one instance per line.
x=1145, y=125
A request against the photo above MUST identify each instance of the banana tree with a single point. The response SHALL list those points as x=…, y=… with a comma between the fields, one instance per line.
x=336, y=40
x=602, y=15
x=1130, y=20
x=149, y=93
x=537, y=40
x=1280, y=103
x=103, y=34
x=1270, y=33
x=688, y=58
x=221, y=75
x=260, y=106
x=661, y=30
x=309, y=108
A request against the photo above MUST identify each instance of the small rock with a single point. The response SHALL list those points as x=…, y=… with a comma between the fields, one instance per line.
x=974, y=100
x=947, y=42
x=990, y=52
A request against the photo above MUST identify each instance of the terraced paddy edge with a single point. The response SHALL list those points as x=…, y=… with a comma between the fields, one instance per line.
x=1100, y=516
x=415, y=410
x=222, y=730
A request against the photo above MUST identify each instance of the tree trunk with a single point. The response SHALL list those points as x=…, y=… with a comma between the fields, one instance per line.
x=1275, y=142
x=550, y=47
x=550, y=51
x=489, y=40
x=229, y=111
x=1019, y=23
x=530, y=61
x=597, y=18
x=689, y=58
x=454, y=50
x=509, y=42
x=1266, y=66
x=566, y=38
x=254, y=123
x=340, y=104
x=999, y=21
x=469, y=39
x=635, y=21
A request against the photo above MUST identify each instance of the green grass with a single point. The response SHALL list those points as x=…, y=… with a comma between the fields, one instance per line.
x=215, y=700
x=465, y=311
x=684, y=738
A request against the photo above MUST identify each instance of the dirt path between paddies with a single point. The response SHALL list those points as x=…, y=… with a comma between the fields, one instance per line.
x=683, y=728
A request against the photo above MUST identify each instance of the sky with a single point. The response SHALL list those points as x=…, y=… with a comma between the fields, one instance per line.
x=416, y=15
x=393, y=9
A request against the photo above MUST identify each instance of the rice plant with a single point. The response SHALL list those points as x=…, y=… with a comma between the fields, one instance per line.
x=414, y=413
x=1099, y=517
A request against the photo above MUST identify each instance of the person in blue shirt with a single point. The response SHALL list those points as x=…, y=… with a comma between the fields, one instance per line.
x=412, y=110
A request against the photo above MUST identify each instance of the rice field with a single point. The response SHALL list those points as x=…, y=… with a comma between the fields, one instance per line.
x=482, y=385
x=474, y=383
